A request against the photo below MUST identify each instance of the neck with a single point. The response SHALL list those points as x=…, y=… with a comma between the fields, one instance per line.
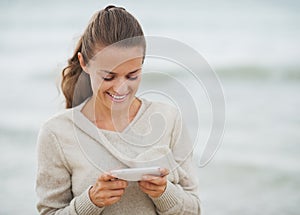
x=111, y=119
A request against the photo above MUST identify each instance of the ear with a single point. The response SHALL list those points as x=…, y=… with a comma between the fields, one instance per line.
x=82, y=63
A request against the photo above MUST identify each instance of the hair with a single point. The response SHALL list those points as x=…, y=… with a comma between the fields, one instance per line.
x=106, y=27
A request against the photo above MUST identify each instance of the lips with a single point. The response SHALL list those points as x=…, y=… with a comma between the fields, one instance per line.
x=117, y=97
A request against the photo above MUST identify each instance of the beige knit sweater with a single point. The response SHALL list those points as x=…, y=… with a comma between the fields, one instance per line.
x=73, y=152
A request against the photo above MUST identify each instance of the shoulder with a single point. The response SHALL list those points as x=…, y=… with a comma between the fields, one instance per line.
x=58, y=121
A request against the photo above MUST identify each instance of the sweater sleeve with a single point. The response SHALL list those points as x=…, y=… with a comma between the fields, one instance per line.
x=53, y=181
x=181, y=198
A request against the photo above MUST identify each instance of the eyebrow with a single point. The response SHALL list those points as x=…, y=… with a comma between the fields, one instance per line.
x=113, y=73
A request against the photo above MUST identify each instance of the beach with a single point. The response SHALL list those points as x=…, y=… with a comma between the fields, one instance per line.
x=256, y=168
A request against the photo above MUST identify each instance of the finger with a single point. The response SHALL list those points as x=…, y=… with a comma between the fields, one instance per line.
x=117, y=184
x=112, y=200
x=106, y=194
x=153, y=179
x=157, y=180
x=152, y=187
x=144, y=187
x=164, y=171
x=145, y=190
x=152, y=193
x=117, y=193
x=106, y=177
x=148, y=186
x=113, y=185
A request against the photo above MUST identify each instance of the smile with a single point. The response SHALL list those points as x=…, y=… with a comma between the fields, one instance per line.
x=117, y=98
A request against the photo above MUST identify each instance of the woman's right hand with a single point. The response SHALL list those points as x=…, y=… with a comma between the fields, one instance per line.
x=107, y=190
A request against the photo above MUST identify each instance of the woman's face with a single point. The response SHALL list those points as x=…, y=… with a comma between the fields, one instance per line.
x=115, y=76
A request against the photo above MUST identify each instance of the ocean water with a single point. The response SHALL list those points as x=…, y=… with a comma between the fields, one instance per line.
x=254, y=48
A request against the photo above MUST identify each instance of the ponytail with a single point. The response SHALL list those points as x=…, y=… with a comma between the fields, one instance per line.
x=75, y=85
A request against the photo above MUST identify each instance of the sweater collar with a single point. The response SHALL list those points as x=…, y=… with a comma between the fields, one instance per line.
x=159, y=155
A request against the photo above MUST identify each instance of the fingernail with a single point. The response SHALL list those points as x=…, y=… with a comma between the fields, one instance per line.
x=145, y=177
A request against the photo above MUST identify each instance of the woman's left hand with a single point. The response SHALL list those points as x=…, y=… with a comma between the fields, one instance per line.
x=154, y=186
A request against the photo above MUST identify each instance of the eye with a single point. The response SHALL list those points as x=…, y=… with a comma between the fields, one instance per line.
x=108, y=78
x=133, y=77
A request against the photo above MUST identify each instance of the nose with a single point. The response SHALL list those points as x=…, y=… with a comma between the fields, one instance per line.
x=120, y=86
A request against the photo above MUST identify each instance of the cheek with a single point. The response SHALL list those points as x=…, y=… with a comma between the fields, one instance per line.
x=98, y=84
x=135, y=84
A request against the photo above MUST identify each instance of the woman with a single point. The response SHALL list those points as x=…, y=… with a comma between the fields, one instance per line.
x=107, y=127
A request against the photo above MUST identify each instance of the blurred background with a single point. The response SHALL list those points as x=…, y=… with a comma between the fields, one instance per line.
x=253, y=46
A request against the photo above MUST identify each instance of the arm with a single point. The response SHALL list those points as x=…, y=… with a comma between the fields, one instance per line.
x=181, y=198
x=53, y=182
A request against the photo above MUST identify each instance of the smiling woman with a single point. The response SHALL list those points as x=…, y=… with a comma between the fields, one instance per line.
x=114, y=86
x=106, y=127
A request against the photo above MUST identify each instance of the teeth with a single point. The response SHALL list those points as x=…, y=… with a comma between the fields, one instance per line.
x=118, y=97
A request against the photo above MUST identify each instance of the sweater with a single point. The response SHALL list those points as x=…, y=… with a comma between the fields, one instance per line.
x=72, y=153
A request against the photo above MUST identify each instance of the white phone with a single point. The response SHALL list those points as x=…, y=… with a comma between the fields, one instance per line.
x=135, y=174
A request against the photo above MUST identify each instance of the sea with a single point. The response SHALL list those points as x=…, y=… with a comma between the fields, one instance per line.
x=252, y=50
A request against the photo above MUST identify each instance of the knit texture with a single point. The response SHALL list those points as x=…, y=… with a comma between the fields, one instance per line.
x=73, y=152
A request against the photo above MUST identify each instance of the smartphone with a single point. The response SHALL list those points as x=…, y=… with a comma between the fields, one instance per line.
x=135, y=174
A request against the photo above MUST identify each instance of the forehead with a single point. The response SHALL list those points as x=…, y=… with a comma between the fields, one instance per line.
x=111, y=58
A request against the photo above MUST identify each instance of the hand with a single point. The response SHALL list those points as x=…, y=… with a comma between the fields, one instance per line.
x=107, y=190
x=154, y=186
